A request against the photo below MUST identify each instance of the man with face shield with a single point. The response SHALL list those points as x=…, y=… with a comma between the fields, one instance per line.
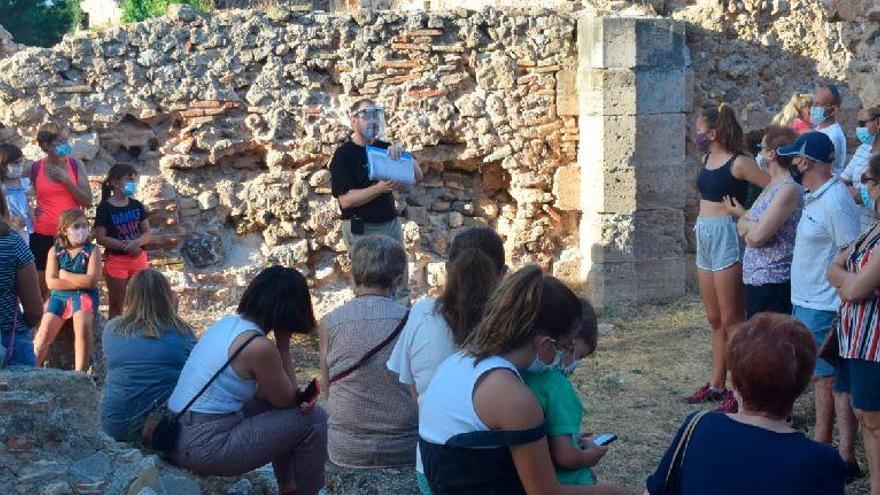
x=828, y=225
x=367, y=206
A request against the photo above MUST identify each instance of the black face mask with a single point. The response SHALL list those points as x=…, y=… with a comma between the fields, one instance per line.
x=796, y=174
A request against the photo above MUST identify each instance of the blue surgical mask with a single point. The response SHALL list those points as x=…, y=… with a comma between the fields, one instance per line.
x=864, y=135
x=130, y=188
x=63, y=149
x=817, y=115
x=867, y=200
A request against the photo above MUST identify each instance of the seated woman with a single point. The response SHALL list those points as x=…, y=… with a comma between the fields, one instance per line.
x=481, y=429
x=144, y=350
x=20, y=304
x=436, y=328
x=771, y=359
x=227, y=432
x=373, y=417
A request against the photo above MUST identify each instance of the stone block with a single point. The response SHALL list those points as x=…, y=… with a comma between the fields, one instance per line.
x=642, y=91
x=627, y=42
x=632, y=237
x=567, y=93
x=567, y=188
x=631, y=140
x=636, y=282
x=628, y=189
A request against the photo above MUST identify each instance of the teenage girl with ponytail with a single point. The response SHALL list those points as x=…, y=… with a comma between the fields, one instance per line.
x=481, y=430
x=437, y=328
x=727, y=170
x=121, y=226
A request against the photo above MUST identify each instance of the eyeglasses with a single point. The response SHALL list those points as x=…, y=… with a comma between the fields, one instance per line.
x=567, y=348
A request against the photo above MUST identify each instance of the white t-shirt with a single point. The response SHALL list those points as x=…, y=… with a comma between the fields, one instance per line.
x=838, y=138
x=829, y=223
x=425, y=342
x=853, y=173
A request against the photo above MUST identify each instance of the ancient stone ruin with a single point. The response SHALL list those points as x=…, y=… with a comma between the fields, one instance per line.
x=564, y=130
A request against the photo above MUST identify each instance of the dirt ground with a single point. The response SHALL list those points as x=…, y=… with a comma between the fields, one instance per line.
x=631, y=386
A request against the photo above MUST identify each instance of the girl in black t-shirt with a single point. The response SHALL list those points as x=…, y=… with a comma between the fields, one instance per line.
x=122, y=227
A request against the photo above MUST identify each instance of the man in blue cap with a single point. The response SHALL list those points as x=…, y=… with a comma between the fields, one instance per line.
x=829, y=223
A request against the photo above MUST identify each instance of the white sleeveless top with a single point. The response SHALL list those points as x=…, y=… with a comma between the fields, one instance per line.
x=229, y=391
x=447, y=407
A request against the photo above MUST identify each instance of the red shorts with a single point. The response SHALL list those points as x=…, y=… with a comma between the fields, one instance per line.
x=124, y=266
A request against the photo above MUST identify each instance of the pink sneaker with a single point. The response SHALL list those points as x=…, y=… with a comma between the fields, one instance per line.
x=729, y=404
x=705, y=394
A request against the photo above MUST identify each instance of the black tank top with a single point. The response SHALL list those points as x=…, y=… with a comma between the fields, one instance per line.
x=715, y=184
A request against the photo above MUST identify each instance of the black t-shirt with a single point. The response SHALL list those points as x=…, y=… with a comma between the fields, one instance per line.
x=122, y=222
x=348, y=170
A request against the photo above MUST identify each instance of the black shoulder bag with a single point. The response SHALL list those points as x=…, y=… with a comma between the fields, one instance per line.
x=162, y=427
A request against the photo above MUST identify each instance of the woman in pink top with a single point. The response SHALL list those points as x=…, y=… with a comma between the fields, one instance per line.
x=60, y=183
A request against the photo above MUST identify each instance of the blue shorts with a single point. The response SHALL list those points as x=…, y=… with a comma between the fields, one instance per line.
x=22, y=351
x=819, y=322
x=861, y=379
x=65, y=303
x=719, y=246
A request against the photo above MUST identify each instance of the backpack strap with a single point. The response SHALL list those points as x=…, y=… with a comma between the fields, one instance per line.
x=35, y=172
x=216, y=375
x=38, y=164
x=75, y=165
x=372, y=352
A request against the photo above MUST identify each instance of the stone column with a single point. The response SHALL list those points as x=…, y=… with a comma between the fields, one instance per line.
x=633, y=85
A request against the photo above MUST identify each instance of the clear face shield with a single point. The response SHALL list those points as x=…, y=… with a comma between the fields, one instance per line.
x=373, y=120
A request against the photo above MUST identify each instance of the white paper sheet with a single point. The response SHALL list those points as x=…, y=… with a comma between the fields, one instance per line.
x=382, y=167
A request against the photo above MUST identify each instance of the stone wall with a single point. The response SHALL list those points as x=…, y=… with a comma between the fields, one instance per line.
x=231, y=120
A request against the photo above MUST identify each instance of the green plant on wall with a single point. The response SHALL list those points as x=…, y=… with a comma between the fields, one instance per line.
x=139, y=10
x=39, y=22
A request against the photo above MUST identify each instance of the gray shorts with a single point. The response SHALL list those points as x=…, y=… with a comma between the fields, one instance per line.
x=719, y=246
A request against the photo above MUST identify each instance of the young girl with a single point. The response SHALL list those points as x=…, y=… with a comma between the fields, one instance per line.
x=16, y=188
x=122, y=227
x=73, y=268
x=727, y=170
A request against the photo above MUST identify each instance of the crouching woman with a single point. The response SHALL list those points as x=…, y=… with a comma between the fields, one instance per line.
x=252, y=414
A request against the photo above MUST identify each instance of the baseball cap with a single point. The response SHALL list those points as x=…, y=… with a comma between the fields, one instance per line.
x=815, y=146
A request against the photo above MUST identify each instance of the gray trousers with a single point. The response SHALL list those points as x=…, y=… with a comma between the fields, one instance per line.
x=235, y=443
x=392, y=229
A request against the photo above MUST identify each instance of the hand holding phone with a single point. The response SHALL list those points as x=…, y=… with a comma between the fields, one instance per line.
x=310, y=393
x=605, y=439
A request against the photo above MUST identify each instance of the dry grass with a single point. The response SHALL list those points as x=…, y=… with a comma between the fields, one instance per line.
x=631, y=386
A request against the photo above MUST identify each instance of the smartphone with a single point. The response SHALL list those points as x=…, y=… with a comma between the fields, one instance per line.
x=310, y=392
x=605, y=439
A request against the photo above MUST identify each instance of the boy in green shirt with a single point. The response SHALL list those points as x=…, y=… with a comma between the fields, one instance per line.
x=573, y=453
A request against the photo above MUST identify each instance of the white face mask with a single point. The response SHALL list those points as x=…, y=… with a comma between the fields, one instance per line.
x=539, y=366
x=567, y=370
x=14, y=170
x=78, y=237
x=763, y=161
